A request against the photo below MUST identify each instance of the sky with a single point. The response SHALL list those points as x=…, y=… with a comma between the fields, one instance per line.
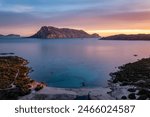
x=105, y=17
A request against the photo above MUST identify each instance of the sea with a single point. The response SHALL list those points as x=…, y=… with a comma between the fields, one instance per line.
x=75, y=63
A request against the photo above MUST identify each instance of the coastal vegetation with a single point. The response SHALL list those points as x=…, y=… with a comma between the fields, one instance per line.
x=14, y=79
x=135, y=74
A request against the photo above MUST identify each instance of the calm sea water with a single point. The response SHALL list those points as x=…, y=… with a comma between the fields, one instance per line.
x=70, y=63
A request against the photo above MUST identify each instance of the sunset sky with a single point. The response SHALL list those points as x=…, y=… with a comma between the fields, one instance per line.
x=106, y=17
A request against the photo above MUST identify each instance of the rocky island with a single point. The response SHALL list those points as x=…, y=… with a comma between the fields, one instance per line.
x=128, y=37
x=49, y=32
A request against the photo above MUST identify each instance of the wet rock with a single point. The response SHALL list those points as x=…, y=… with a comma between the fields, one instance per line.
x=24, y=92
x=31, y=70
x=132, y=96
x=53, y=97
x=84, y=97
x=136, y=74
x=142, y=97
x=132, y=90
x=11, y=94
x=140, y=82
x=115, y=81
x=144, y=92
x=124, y=84
x=124, y=97
x=39, y=87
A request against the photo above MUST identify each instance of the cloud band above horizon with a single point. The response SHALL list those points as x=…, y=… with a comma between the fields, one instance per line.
x=103, y=16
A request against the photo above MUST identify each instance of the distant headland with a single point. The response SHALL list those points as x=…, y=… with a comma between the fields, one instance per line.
x=50, y=32
x=128, y=37
x=10, y=36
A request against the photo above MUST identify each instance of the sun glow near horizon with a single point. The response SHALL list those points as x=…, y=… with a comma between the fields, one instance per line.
x=104, y=17
x=119, y=31
x=107, y=32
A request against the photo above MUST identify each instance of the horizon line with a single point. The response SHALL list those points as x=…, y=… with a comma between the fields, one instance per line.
x=101, y=32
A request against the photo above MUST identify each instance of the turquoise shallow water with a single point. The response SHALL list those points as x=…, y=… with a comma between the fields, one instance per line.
x=70, y=63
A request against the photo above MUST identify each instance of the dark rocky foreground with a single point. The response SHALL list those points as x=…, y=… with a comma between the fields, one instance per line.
x=14, y=80
x=135, y=75
x=49, y=32
x=131, y=81
x=128, y=37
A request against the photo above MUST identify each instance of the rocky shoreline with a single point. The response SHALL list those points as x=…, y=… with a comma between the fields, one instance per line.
x=16, y=84
x=132, y=81
x=52, y=93
x=14, y=79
